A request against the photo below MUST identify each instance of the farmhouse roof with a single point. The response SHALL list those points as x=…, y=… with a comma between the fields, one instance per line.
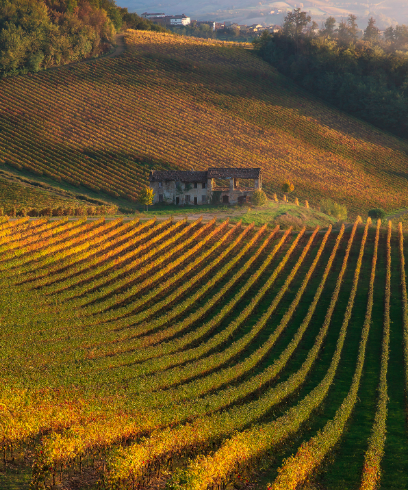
x=180, y=175
x=237, y=173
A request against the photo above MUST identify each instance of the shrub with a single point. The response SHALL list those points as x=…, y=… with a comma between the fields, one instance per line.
x=58, y=211
x=376, y=213
x=33, y=212
x=22, y=213
x=331, y=208
x=258, y=197
x=288, y=186
x=287, y=220
x=45, y=212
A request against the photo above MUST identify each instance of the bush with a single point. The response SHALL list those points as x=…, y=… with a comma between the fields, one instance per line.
x=376, y=213
x=331, y=208
x=33, y=213
x=258, y=198
x=45, y=212
x=58, y=211
x=288, y=186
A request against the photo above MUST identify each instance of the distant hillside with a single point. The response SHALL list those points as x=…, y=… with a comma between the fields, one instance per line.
x=173, y=102
x=252, y=11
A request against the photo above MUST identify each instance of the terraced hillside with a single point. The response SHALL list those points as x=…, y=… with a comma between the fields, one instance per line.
x=197, y=355
x=174, y=102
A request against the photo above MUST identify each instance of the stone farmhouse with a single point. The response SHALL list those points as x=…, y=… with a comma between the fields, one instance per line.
x=216, y=185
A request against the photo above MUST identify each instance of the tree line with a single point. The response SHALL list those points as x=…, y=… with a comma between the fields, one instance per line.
x=363, y=73
x=38, y=34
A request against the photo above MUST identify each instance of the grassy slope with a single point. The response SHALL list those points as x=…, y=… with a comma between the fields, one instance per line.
x=173, y=102
x=282, y=214
x=13, y=194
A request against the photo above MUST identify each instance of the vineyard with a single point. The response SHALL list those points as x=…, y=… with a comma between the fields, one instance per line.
x=202, y=355
x=171, y=102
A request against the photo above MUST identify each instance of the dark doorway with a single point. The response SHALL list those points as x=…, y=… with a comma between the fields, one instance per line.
x=225, y=199
x=195, y=200
x=242, y=200
x=177, y=200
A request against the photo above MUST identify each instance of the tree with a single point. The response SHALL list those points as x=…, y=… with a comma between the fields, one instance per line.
x=287, y=186
x=258, y=198
x=334, y=209
x=329, y=26
x=352, y=27
x=313, y=29
x=376, y=213
x=343, y=32
x=372, y=33
x=389, y=34
x=294, y=24
x=146, y=197
x=348, y=31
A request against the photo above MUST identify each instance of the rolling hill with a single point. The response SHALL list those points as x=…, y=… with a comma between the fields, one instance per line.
x=171, y=102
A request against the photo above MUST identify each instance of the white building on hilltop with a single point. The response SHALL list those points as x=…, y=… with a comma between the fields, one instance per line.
x=179, y=20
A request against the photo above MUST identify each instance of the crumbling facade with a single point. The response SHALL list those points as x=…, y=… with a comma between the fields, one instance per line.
x=216, y=185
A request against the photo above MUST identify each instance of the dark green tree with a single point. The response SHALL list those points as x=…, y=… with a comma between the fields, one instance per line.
x=294, y=24
x=372, y=33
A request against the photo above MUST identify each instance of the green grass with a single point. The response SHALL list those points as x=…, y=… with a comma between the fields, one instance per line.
x=285, y=215
x=272, y=213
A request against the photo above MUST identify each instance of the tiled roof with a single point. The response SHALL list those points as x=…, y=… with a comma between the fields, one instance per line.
x=212, y=173
x=237, y=173
x=180, y=175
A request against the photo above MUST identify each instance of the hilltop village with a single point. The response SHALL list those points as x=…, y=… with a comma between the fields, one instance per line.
x=227, y=27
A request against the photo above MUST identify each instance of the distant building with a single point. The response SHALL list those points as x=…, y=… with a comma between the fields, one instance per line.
x=179, y=20
x=189, y=187
x=159, y=15
x=167, y=20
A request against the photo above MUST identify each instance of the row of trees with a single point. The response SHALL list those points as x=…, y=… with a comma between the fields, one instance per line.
x=36, y=34
x=366, y=75
x=205, y=31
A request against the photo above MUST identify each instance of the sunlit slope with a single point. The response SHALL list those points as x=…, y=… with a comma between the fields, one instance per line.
x=173, y=102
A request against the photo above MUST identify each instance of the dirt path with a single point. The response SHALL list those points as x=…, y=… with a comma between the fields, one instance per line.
x=397, y=215
x=120, y=46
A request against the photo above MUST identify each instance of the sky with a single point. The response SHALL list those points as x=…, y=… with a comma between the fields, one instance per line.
x=248, y=12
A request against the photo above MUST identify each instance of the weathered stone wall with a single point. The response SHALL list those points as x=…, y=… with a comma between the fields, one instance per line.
x=171, y=190
x=178, y=192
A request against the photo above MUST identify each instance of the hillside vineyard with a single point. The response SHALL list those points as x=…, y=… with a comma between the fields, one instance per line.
x=136, y=354
x=170, y=103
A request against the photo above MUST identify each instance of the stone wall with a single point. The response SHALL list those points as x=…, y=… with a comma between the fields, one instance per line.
x=169, y=192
